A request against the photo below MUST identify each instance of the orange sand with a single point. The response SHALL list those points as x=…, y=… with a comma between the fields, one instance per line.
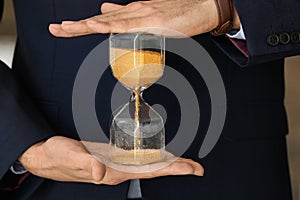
x=134, y=69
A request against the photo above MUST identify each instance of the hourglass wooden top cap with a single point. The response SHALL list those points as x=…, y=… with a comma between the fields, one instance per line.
x=137, y=41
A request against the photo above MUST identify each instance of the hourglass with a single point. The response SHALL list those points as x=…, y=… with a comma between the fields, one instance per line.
x=137, y=134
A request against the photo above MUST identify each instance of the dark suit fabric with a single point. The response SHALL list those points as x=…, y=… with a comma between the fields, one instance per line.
x=260, y=20
x=18, y=116
x=249, y=160
x=1, y=9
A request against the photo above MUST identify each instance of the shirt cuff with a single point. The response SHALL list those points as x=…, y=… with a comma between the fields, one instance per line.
x=17, y=168
x=239, y=34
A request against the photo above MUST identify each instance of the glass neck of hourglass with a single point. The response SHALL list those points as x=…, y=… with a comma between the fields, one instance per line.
x=137, y=94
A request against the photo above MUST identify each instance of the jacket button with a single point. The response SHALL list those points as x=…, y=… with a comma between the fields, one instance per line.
x=295, y=37
x=284, y=38
x=273, y=40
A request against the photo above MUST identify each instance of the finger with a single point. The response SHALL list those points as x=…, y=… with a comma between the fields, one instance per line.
x=70, y=29
x=120, y=15
x=175, y=168
x=181, y=167
x=120, y=22
x=109, y=7
x=56, y=30
x=198, y=169
x=133, y=10
x=116, y=18
x=117, y=26
x=178, y=167
x=131, y=7
x=116, y=9
x=76, y=27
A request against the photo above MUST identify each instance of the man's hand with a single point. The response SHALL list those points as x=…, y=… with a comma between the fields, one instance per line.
x=68, y=160
x=190, y=17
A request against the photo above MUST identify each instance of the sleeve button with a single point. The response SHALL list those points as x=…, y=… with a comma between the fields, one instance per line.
x=273, y=40
x=284, y=38
x=295, y=37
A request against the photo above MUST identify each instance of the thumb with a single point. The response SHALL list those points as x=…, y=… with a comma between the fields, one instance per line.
x=98, y=171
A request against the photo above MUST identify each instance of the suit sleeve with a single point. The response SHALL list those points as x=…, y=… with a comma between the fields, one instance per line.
x=21, y=124
x=272, y=30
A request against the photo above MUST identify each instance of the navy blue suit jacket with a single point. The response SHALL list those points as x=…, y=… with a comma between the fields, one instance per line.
x=249, y=161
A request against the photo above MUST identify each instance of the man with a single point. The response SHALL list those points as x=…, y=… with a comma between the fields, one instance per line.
x=249, y=161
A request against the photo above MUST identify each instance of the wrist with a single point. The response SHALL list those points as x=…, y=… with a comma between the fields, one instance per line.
x=214, y=15
x=236, y=23
x=17, y=168
x=226, y=15
x=29, y=157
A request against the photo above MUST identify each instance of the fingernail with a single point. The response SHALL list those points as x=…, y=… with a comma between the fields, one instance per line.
x=199, y=172
x=55, y=26
x=67, y=22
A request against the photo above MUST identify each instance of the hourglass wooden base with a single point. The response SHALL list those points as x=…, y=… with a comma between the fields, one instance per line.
x=138, y=157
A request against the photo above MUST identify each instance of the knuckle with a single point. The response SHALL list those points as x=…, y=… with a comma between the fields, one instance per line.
x=136, y=5
x=149, y=9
